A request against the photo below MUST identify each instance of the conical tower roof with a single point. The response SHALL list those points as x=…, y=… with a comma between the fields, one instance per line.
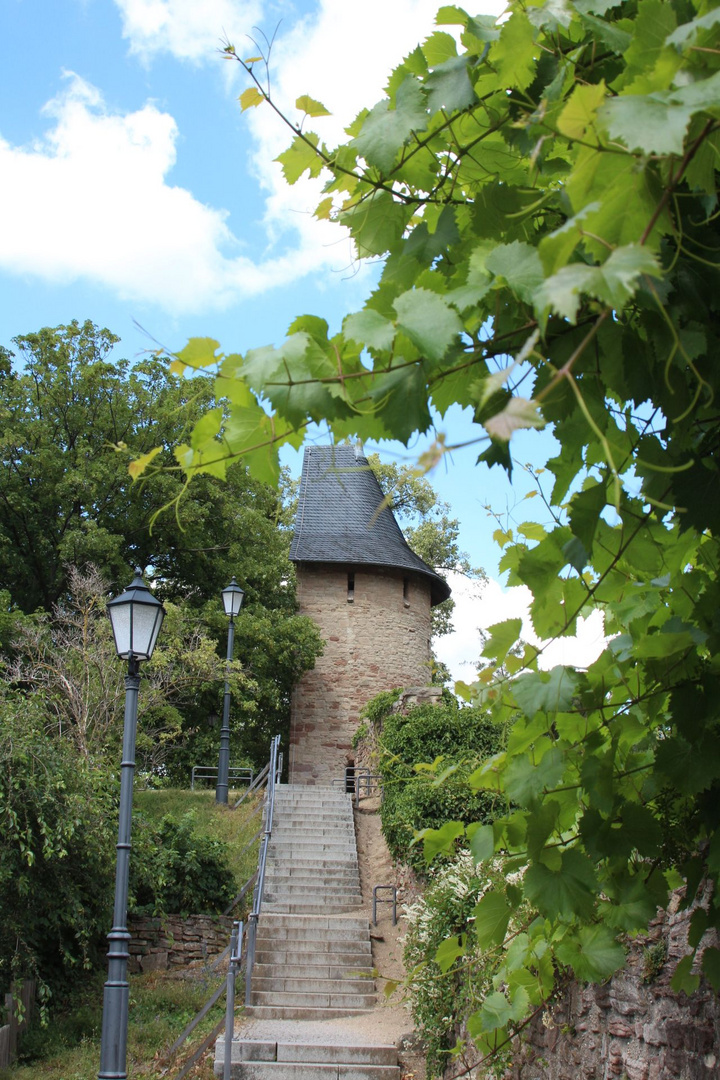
x=341, y=518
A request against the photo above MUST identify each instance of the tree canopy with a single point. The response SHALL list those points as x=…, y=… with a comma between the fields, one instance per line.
x=542, y=191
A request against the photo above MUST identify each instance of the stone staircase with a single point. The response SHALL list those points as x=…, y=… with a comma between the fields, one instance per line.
x=313, y=956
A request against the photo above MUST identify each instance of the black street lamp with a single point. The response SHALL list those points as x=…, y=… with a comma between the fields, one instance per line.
x=136, y=618
x=232, y=602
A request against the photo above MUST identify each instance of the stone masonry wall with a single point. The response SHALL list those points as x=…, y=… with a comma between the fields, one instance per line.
x=174, y=940
x=377, y=642
x=632, y=1027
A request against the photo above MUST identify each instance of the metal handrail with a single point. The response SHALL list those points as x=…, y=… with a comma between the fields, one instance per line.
x=272, y=771
x=254, y=915
x=233, y=967
x=209, y=772
x=257, y=782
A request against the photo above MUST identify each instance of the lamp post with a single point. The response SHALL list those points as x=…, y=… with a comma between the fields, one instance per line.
x=136, y=618
x=232, y=602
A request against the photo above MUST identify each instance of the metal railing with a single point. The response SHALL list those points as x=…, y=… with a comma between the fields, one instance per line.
x=358, y=781
x=274, y=767
x=209, y=772
x=272, y=772
x=233, y=968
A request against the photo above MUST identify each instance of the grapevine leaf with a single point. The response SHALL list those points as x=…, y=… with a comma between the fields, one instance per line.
x=502, y=638
x=592, y=952
x=482, y=841
x=545, y=691
x=199, y=353
x=449, y=86
x=684, y=981
x=495, y=1012
x=564, y=893
x=519, y=413
x=428, y=321
x=492, y=916
x=579, y=112
x=370, y=328
x=442, y=840
x=376, y=223
x=310, y=106
x=519, y=265
x=448, y=951
x=138, y=466
x=300, y=157
x=250, y=98
x=711, y=967
x=386, y=129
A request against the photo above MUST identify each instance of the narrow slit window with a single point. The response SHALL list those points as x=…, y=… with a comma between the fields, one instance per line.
x=406, y=592
x=351, y=588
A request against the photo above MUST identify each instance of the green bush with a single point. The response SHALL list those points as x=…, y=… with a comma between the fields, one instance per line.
x=418, y=803
x=57, y=851
x=177, y=869
x=442, y=736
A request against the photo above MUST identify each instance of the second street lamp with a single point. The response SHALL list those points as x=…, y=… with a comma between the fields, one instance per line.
x=232, y=602
x=136, y=618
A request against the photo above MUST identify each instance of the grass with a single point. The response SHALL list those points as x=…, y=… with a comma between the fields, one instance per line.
x=234, y=827
x=161, y=1003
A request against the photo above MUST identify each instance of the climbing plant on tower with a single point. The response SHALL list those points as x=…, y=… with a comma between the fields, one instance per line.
x=542, y=191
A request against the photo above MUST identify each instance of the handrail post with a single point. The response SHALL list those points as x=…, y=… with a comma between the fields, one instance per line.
x=233, y=965
x=250, y=955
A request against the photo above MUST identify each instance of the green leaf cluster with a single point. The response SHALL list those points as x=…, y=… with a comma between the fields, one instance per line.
x=543, y=194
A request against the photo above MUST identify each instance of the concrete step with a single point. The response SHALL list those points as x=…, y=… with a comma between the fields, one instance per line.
x=335, y=922
x=307, y=832
x=321, y=939
x=310, y=909
x=296, y=958
x=292, y=1012
x=331, y=875
x=295, y=1070
x=310, y=1053
x=336, y=1000
x=270, y=969
x=278, y=984
x=300, y=863
x=280, y=889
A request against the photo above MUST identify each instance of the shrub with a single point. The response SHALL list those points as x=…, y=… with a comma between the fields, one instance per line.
x=441, y=736
x=176, y=869
x=57, y=851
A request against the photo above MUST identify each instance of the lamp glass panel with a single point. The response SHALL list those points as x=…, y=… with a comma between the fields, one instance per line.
x=147, y=620
x=122, y=628
x=232, y=600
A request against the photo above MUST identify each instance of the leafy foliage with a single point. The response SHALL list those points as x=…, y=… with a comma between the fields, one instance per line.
x=425, y=758
x=547, y=189
x=178, y=869
x=56, y=851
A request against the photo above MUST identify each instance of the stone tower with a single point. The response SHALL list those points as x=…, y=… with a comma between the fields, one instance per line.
x=369, y=595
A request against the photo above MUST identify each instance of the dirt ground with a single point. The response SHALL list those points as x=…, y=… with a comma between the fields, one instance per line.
x=377, y=868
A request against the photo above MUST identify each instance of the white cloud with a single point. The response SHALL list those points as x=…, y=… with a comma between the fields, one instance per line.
x=479, y=605
x=187, y=29
x=343, y=59
x=92, y=200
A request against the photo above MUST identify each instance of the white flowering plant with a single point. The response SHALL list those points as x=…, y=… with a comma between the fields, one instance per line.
x=450, y=973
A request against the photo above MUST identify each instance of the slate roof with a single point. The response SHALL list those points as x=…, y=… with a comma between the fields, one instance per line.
x=338, y=519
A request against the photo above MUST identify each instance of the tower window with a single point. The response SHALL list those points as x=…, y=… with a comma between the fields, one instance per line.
x=351, y=588
x=406, y=592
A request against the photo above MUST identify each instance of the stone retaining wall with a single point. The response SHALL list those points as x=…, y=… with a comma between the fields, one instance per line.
x=633, y=1027
x=175, y=940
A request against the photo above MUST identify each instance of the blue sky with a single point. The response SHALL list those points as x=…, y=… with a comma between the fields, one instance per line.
x=136, y=193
